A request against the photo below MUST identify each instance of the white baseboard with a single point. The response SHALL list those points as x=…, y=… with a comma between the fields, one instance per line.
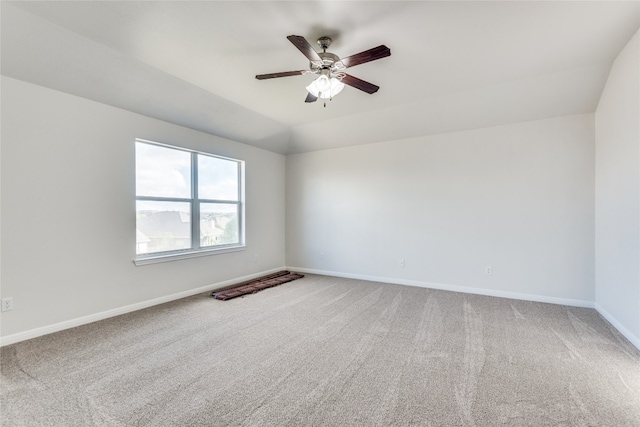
x=488, y=292
x=72, y=323
x=453, y=288
x=624, y=331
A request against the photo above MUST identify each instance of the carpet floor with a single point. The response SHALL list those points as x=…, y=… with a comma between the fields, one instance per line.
x=324, y=351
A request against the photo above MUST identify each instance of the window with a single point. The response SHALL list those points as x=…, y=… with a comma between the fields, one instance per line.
x=187, y=202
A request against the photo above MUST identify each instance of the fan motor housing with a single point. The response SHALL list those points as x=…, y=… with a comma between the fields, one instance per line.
x=329, y=60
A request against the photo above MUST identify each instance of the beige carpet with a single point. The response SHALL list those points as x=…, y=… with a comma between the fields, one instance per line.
x=323, y=351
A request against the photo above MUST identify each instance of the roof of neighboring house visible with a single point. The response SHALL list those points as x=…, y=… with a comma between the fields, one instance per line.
x=164, y=224
x=141, y=237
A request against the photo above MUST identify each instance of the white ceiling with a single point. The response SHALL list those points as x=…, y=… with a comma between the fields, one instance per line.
x=454, y=65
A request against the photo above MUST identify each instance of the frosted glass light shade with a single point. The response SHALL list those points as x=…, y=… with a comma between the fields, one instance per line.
x=325, y=88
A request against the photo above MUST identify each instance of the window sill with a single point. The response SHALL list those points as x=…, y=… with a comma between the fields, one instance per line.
x=154, y=259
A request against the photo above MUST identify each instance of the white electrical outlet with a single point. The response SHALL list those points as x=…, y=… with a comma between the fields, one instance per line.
x=7, y=304
x=487, y=270
x=255, y=258
x=401, y=263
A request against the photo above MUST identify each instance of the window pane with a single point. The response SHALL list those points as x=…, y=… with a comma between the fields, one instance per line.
x=218, y=224
x=217, y=178
x=162, y=172
x=162, y=226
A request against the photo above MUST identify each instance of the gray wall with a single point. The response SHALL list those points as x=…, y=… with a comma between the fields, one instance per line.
x=518, y=198
x=618, y=194
x=68, y=211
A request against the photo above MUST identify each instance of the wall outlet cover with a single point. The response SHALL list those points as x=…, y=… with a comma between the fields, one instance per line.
x=7, y=304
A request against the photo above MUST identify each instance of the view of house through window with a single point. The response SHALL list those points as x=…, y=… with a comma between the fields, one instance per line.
x=185, y=200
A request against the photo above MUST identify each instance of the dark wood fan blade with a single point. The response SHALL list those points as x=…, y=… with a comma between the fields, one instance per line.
x=303, y=45
x=282, y=74
x=368, y=55
x=359, y=84
x=311, y=98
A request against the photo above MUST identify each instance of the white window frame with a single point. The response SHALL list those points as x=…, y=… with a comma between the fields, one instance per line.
x=196, y=250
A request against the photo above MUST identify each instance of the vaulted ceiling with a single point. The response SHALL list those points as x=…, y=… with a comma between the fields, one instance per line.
x=454, y=65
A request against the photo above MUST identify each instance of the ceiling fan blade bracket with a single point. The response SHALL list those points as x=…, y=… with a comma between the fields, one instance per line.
x=315, y=66
x=338, y=66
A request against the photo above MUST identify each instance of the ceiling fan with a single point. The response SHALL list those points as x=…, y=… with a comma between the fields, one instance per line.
x=330, y=68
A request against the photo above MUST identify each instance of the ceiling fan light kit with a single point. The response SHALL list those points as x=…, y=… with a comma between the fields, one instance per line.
x=325, y=87
x=330, y=68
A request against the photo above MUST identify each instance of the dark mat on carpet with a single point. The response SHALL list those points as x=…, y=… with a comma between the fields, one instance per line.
x=256, y=285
